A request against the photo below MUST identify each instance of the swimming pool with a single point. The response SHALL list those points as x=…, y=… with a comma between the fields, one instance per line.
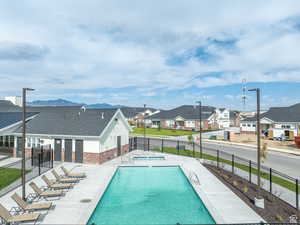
x=149, y=158
x=150, y=195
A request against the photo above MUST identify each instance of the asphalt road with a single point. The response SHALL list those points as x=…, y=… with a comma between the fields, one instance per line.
x=282, y=162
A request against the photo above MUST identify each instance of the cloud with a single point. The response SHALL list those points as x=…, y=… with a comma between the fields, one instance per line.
x=21, y=51
x=100, y=45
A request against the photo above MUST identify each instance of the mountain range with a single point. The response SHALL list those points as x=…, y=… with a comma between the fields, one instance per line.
x=63, y=102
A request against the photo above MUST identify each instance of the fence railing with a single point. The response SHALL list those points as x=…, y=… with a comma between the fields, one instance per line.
x=275, y=182
x=39, y=162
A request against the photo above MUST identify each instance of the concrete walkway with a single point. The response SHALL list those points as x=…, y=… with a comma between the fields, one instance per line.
x=222, y=203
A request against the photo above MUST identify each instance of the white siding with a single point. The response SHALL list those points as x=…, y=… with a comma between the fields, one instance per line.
x=117, y=128
x=89, y=146
x=248, y=127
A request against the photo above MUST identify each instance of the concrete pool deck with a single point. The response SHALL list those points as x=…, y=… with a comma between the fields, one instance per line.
x=222, y=203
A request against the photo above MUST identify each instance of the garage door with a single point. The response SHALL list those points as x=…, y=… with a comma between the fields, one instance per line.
x=79, y=151
x=68, y=150
x=57, y=149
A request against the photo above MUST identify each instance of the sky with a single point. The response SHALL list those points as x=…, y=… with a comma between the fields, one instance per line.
x=160, y=53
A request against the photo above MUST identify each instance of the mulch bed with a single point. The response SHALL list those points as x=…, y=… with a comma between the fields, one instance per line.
x=275, y=211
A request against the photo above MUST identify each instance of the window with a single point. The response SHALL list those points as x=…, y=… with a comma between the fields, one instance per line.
x=254, y=125
x=1, y=141
x=248, y=125
x=286, y=126
x=11, y=141
x=243, y=125
x=29, y=142
x=6, y=142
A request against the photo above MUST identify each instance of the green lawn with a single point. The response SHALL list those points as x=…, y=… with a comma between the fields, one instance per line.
x=8, y=176
x=278, y=180
x=163, y=132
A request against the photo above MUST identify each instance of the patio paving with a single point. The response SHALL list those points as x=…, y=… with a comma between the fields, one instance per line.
x=222, y=203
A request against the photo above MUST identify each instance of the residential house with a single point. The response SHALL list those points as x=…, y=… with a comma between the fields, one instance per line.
x=9, y=122
x=185, y=117
x=84, y=135
x=136, y=115
x=277, y=122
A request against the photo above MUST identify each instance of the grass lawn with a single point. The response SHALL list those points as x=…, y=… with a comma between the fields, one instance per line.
x=9, y=175
x=275, y=179
x=163, y=132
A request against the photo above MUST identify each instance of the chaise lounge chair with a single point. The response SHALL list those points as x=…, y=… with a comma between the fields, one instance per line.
x=69, y=174
x=30, y=207
x=45, y=194
x=10, y=219
x=52, y=185
x=64, y=180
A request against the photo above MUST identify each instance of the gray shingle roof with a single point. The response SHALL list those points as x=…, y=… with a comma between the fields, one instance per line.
x=281, y=114
x=70, y=122
x=10, y=118
x=189, y=112
x=130, y=112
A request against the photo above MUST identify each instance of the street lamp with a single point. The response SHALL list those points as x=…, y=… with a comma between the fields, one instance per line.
x=144, y=127
x=23, y=141
x=259, y=201
x=200, y=127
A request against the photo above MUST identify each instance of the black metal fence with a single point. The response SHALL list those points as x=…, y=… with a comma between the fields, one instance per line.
x=277, y=183
x=40, y=161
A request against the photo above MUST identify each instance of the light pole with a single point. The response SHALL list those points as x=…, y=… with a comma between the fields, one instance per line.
x=23, y=141
x=259, y=201
x=200, y=127
x=144, y=127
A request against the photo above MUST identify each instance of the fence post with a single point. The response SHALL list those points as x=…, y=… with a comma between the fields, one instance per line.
x=52, y=157
x=148, y=144
x=297, y=193
x=39, y=158
x=271, y=180
x=232, y=163
x=194, y=149
x=177, y=147
x=162, y=145
x=218, y=158
x=250, y=171
x=42, y=156
x=31, y=156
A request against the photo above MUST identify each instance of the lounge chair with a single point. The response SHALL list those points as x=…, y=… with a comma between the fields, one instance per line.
x=52, y=185
x=30, y=207
x=69, y=174
x=45, y=194
x=10, y=219
x=64, y=180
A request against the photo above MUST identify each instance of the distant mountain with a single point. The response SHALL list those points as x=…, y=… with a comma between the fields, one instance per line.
x=63, y=102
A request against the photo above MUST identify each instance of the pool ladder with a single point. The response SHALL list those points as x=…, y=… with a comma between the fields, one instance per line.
x=194, y=178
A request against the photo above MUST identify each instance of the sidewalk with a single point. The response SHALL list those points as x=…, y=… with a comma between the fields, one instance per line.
x=294, y=152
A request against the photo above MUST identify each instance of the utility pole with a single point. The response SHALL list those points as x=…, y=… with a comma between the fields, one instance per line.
x=23, y=141
x=200, y=128
x=144, y=127
x=259, y=200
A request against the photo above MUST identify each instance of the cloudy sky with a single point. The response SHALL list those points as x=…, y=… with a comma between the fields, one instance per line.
x=163, y=53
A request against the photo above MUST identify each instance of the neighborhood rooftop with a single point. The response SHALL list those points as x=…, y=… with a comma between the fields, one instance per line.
x=185, y=111
x=280, y=114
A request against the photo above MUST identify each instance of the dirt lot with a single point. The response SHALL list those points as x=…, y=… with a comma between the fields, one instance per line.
x=251, y=139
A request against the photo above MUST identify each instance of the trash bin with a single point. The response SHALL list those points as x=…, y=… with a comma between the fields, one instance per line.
x=297, y=141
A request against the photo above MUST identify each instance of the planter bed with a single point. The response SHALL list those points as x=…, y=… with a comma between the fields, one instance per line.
x=276, y=210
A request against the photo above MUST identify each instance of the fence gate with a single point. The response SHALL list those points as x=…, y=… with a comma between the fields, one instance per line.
x=79, y=151
x=68, y=150
x=57, y=149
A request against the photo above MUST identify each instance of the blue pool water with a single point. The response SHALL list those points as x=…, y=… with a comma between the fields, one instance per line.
x=149, y=158
x=150, y=195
